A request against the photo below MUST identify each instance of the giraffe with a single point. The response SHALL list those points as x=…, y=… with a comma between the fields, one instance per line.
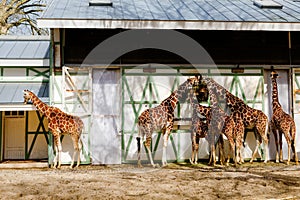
x=225, y=125
x=221, y=123
x=282, y=123
x=252, y=118
x=161, y=118
x=59, y=123
x=199, y=127
x=239, y=131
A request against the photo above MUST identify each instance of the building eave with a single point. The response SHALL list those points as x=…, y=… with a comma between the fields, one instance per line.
x=165, y=24
x=17, y=107
x=24, y=62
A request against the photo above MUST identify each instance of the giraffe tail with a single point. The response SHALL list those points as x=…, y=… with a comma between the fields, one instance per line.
x=138, y=139
x=138, y=144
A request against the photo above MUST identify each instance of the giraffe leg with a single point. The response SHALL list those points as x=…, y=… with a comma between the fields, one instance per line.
x=58, y=149
x=289, y=153
x=139, y=151
x=295, y=153
x=192, y=159
x=288, y=140
x=293, y=135
x=280, y=147
x=147, y=144
x=275, y=133
x=164, y=153
x=255, y=151
x=236, y=154
x=59, y=153
x=212, y=159
x=196, y=150
x=221, y=149
x=231, y=142
x=239, y=158
x=264, y=137
x=56, y=156
x=77, y=143
x=79, y=150
x=266, y=149
x=213, y=155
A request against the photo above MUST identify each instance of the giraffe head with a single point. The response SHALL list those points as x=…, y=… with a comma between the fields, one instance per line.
x=188, y=87
x=200, y=90
x=274, y=74
x=27, y=96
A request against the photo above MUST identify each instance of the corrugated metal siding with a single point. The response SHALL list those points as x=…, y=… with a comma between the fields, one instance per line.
x=203, y=10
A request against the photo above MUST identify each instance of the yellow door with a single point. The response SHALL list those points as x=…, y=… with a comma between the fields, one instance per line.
x=14, y=138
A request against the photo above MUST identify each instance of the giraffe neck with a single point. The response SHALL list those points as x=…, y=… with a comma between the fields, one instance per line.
x=275, y=101
x=39, y=104
x=198, y=108
x=213, y=99
x=171, y=102
x=183, y=91
x=179, y=95
x=232, y=101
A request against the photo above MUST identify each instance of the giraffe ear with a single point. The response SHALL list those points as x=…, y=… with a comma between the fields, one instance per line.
x=199, y=77
x=274, y=73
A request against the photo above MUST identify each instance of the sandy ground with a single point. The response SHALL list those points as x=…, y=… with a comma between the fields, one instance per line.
x=176, y=181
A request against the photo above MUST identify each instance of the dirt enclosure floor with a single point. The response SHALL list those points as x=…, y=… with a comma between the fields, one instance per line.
x=176, y=181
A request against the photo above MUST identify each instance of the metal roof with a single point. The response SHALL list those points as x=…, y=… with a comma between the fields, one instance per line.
x=24, y=50
x=12, y=95
x=172, y=14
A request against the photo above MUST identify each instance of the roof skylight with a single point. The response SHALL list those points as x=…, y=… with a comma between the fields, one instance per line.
x=100, y=3
x=267, y=4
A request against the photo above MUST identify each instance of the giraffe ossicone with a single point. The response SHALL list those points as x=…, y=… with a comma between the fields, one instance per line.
x=59, y=123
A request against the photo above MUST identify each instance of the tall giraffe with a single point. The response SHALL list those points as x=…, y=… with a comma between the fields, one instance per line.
x=252, y=118
x=59, y=123
x=282, y=123
x=161, y=118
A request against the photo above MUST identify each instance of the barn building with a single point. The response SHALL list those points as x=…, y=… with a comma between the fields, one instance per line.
x=112, y=59
x=24, y=64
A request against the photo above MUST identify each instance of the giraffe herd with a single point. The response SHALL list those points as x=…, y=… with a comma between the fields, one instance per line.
x=212, y=122
x=215, y=122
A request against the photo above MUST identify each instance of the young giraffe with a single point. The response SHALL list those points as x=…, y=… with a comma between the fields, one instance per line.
x=199, y=129
x=282, y=123
x=161, y=118
x=239, y=132
x=252, y=118
x=225, y=124
x=59, y=123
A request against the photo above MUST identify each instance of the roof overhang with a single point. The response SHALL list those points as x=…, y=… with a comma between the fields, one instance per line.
x=17, y=107
x=166, y=24
x=24, y=62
